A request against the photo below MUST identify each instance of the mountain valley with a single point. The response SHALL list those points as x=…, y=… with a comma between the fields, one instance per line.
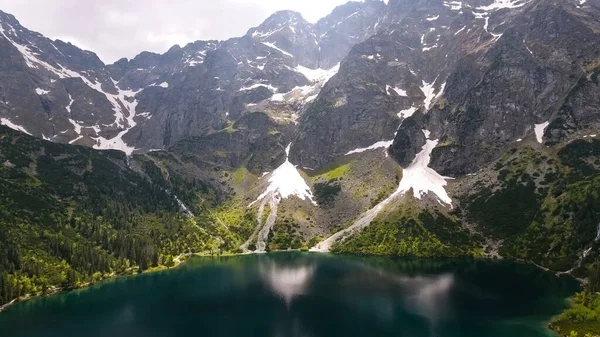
x=415, y=128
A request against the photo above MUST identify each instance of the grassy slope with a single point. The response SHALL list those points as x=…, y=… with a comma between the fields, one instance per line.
x=582, y=319
x=70, y=215
x=542, y=204
x=409, y=230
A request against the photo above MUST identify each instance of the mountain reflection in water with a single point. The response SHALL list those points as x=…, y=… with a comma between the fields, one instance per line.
x=286, y=281
x=305, y=295
x=425, y=296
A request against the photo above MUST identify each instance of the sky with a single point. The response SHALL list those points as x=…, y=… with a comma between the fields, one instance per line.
x=123, y=28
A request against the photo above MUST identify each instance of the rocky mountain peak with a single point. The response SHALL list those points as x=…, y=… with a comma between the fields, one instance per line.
x=8, y=18
x=353, y=79
x=155, y=100
x=424, y=55
x=280, y=19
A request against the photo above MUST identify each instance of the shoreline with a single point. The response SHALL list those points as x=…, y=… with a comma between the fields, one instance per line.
x=56, y=290
x=178, y=262
x=582, y=281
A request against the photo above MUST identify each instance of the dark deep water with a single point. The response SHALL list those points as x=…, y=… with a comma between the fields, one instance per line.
x=305, y=295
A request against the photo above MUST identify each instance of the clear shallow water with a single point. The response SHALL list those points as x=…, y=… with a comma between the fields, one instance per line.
x=305, y=295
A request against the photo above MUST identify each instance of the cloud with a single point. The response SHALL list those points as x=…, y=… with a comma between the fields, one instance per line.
x=123, y=28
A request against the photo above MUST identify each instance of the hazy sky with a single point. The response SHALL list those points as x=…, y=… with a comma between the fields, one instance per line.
x=123, y=28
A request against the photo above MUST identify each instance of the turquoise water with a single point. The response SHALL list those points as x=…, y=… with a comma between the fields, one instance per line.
x=305, y=295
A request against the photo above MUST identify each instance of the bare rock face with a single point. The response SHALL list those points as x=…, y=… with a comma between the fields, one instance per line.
x=402, y=68
x=254, y=141
x=477, y=75
x=409, y=140
x=57, y=91
x=518, y=82
x=484, y=74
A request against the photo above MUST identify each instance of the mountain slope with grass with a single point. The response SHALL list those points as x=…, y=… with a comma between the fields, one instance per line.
x=72, y=215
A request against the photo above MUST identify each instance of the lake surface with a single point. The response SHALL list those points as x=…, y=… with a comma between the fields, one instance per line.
x=305, y=295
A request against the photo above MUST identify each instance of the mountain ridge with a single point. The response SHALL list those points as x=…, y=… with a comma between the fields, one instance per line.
x=149, y=71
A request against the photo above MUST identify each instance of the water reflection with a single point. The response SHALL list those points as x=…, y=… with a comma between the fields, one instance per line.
x=286, y=281
x=376, y=295
x=423, y=303
x=428, y=296
x=305, y=295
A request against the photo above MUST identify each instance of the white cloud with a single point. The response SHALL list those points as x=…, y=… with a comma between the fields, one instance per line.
x=123, y=28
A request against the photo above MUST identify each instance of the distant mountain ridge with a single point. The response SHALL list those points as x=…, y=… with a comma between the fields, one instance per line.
x=150, y=102
x=58, y=92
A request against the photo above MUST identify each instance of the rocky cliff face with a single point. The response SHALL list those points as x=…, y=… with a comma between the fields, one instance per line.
x=483, y=73
x=57, y=91
x=514, y=87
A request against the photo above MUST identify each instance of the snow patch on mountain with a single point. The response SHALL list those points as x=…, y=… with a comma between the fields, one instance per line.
x=374, y=57
x=422, y=179
x=460, y=30
x=344, y=19
x=539, y=131
x=311, y=98
x=71, y=101
x=75, y=140
x=417, y=177
x=41, y=92
x=123, y=102
x=264, y=35
x=7, y=122
x=318, y=75
x=198, y=58
x=193, y=62
x=503, y=4
x=303, y=94
x=258, y=85
x=273, y=46
x=484, y=12
x=294, y=95
x=146, y=115
x=430, y=48
x=284, y=182
x=30, y=59
x=126, y=99
x=123, y=107
x=116, y=143
x=76, y=126
x=384, y=144
x=183, y=207
x=454, y=5
x=397, y=90
x=404, y=114
x=430, y=93
x=529, y=50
